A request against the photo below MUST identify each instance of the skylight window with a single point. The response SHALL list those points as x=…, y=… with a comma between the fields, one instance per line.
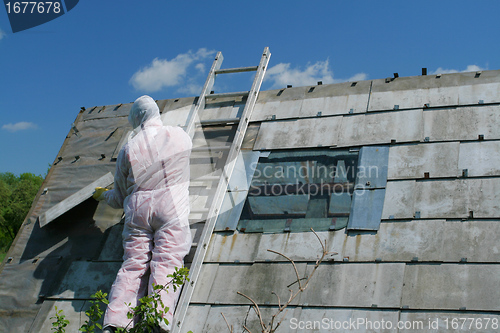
x=292, y=191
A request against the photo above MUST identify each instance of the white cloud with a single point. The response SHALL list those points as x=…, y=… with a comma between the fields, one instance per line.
x=470, y=68
x=167, y=73
x=200, y=67
x=190, y=89
x=2, y=34
x=20, y=126
x=282, y=75
x=357, y=77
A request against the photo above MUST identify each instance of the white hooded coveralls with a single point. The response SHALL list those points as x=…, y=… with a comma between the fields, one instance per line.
x=151, y=185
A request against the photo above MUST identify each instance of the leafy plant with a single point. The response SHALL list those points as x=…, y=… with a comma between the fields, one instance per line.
x=147, y=315
x=60, y=322
x=95, y=312
x=151, y=311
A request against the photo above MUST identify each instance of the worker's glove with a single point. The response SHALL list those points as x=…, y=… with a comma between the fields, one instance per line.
x=98, y=193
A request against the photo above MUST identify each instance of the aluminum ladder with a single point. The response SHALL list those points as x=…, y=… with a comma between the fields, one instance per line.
x=227, y=171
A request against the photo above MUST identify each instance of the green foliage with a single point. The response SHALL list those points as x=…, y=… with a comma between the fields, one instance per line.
x=95, y=312
x=16, y=197
x=150, y=311
x=178, y=277
x=60, y=322
x=147, y=315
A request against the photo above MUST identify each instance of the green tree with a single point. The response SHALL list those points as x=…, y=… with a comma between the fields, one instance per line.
x=16, y=196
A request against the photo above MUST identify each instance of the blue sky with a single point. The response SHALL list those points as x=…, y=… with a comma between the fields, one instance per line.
x=109, y=52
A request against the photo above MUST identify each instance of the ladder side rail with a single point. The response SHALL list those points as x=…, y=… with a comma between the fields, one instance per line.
x=199, y=256
x=200, y=105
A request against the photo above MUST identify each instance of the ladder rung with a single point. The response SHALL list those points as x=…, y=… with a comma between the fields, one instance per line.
x=198, y=211
x=221, y=121
x=212, y=148
x=231, y=94
x=207, y=178
x=237, y=70
x=204, y=181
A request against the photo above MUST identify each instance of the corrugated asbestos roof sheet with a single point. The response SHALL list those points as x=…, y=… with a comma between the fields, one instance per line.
x=435, y=256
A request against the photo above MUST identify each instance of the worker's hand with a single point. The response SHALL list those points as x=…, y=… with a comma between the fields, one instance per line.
x=98, y=193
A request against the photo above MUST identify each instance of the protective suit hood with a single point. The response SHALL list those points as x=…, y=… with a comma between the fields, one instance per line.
x=143, y=110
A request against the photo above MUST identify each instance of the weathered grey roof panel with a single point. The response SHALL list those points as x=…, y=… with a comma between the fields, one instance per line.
x=452, y=198
x=356, y=285
x=454, y=286
x=241, y=247
x=203, y=288
x=415, y=160
x=84, y=278
x=332, y=99
x=381, y=128
x=446, y=90
x=29, y=277
x=426, y=240
x=399, y=200
x=462, y=123
x=457, y=198
x=20, y=323
x=300, y=133
x=236, y=315
x=265, y=278
x=480, y=158
x=196, y=317
x=177, y=103
x=107, y=111
x=483, y=197
x=176, y=117
x=441, y=199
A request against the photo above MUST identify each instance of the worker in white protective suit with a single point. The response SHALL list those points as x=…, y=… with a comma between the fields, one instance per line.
x=151, y=184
